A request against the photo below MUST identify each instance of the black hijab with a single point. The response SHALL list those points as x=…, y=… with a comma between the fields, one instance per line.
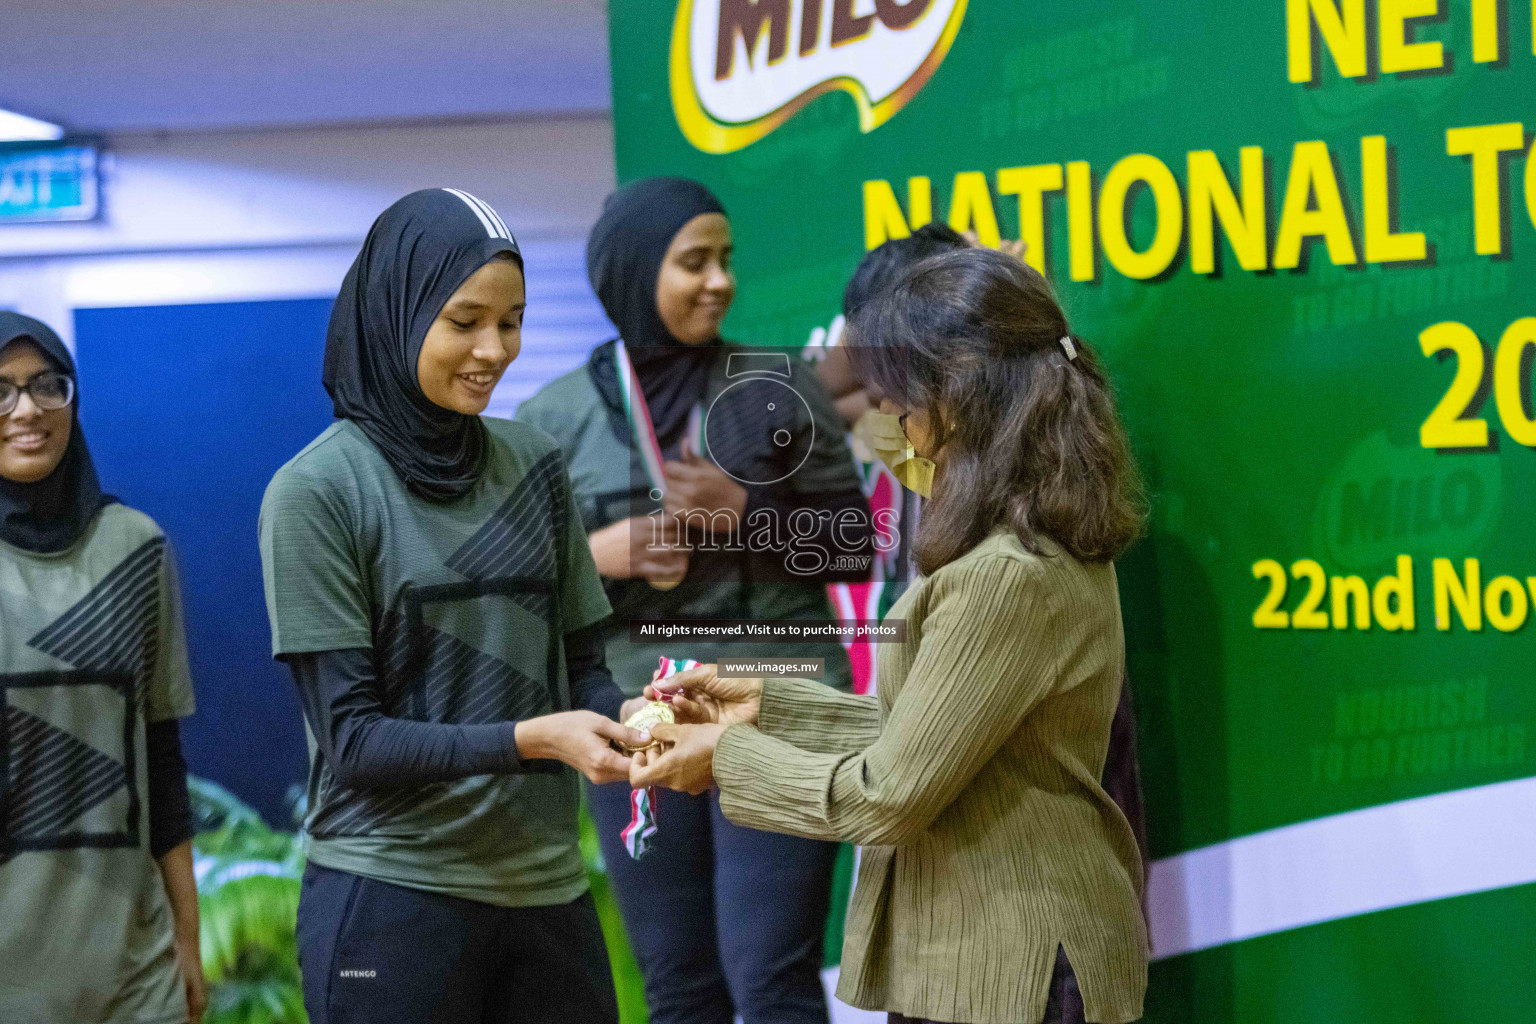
x=53, y=513
x=624, y=256
x=417, y=254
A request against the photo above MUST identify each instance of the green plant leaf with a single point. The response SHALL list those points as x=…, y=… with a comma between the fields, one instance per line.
x=248, y=929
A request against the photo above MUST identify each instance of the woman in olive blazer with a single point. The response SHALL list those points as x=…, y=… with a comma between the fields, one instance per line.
x=998, y=883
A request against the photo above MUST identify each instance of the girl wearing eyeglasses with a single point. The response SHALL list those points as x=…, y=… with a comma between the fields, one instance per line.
x=98, y=906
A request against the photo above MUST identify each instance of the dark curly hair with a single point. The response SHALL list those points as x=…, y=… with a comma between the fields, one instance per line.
x=1026, y=436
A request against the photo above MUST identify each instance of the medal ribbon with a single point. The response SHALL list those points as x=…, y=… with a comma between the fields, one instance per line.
x=638, y=414
x=643, y=821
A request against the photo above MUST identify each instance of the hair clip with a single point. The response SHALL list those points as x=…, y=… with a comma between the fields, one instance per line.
x=1068, y=347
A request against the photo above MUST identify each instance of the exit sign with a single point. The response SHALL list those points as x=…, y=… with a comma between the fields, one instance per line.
x=48, y=182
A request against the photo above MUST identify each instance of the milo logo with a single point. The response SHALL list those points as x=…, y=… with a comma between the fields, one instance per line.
x=741, y=68
x=1385, y=500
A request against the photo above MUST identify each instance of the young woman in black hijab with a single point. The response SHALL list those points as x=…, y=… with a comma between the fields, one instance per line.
x=727, y=443
x=430, y=587
x=98, y=905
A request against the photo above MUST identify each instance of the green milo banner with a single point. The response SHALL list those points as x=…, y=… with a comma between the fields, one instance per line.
x=1303, y=233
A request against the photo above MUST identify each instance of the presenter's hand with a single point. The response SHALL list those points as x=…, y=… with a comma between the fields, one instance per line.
x=640, y=547
x=697, y=485
x=700, y=696
x=685, y=762
x=581, y=739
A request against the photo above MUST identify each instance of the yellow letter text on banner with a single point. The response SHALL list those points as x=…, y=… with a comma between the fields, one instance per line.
x=1312, y=174
x=1211, y=198
x=1483, y=144
x=1342, y=32
x=1382, y=244
x=1080, y=220
x=1398, y=53
x=1030, y=184
x=970, y=208
x=883, y=219
x=1168, y=213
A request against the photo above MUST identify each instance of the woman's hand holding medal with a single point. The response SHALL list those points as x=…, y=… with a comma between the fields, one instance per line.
x=699, y=696
x=703, y=706
x=685, y=761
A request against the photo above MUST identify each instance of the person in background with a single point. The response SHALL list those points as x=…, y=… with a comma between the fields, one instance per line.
x=879, y=268
x=429, y=585
x=724, y=921
x=998, y=881
x=98, y=904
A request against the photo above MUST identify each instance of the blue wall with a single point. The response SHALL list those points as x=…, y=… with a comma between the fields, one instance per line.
x=189, y=411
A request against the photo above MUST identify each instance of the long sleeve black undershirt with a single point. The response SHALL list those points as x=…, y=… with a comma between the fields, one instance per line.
x=586, y=665
x=367, y=748
x=170, y=808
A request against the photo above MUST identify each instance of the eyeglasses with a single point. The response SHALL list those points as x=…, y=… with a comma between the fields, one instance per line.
x=48, y=391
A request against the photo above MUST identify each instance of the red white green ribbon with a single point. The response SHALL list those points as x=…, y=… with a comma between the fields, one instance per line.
x=638, y=413
x=672, y=666
x=642, y=827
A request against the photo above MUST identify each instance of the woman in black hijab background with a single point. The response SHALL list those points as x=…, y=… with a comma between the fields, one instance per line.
x=725, y=921
x=429, y=585
x=98, y=913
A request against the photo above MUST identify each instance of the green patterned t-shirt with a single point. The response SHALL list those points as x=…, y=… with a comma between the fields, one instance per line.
x=91, y=648
x=464, y=605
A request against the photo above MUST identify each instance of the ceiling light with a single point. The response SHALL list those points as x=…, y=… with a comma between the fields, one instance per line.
x=20, y=128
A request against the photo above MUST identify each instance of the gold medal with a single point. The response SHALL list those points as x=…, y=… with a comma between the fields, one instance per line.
x=662, y=583
x=655, y=713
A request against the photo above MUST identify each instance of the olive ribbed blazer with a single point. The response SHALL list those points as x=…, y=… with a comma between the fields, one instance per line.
x=972, y=783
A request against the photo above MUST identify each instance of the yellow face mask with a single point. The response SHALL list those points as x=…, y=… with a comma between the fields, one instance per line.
x=883, y=434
